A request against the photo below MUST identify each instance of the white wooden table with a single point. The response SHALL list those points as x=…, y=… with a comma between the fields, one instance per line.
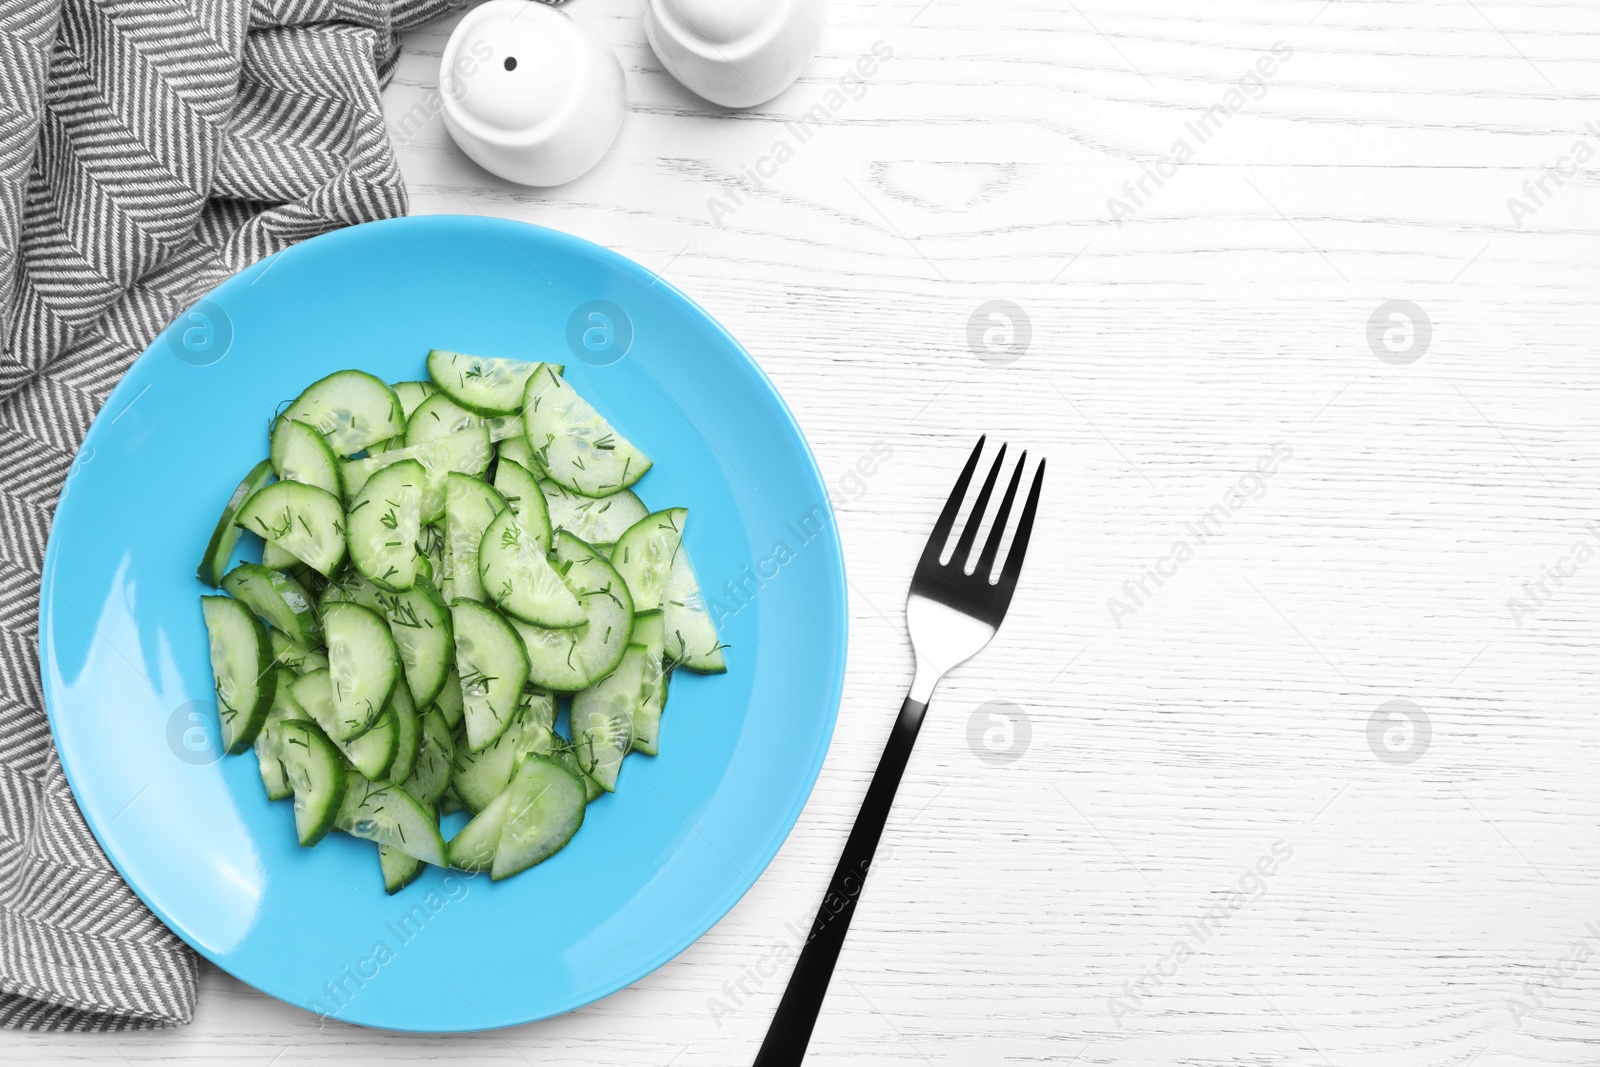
x=1426, y=879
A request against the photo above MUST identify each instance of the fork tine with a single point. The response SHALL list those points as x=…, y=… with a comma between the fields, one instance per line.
x=1019, y=544
x=991, y=548
x=969, y=534
x=947, y=518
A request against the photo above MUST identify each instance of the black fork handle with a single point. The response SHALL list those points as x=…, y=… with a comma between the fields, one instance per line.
x=791, y=1027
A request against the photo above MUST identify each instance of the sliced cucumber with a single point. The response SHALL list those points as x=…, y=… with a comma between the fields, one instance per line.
x=485, y=385
x=363, y=665
x=305, y=520
x=691, y=634
x=412, y=394
x=285, y=653
x=408, y=734
x=388, y=815
x=284, y=709
x=602, y=720
x=275, y=557
x=351, y=409
x=566, y=661
x=479, y=777
x=449, y=701
x=464, y=452
x=545, y=808
x=439, y=416
x=517, y=451
x=595, y=521
x=316, y=773
x=521, y=490
x=278, y=598
x=435, y=756
x=373, y=751
x=349, y=585
x=399, y=870
x=539, y=707
x=505, y=428
x=649, y=640
x=568, y=758
x=493, y=669
x=219, y=550
x=385, y=523
x=518, y=577
x=419, y=622
x=470, y=505
x=241, y=660
x=574, y=445
x=472, y=849
x=644, y=553
x=301, y=454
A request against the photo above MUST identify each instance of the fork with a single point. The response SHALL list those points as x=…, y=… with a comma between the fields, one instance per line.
x=951, y=613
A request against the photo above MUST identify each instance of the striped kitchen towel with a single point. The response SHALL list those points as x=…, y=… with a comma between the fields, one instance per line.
x=148, y=149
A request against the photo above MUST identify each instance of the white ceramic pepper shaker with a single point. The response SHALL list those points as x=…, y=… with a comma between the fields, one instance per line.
x=737, y=53
x=529, y=94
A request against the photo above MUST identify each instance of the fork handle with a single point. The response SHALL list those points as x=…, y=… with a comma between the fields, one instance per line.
x=787, y=1037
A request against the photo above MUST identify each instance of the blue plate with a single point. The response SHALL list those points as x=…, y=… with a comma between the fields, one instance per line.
x=128, y=683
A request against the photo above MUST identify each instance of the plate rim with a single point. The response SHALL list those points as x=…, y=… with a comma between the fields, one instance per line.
x=618, y=262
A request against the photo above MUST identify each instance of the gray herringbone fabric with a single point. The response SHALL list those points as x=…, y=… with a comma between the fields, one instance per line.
x=148, y=149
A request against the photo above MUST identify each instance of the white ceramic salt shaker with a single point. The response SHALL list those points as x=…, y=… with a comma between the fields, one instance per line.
x=737, y=53
x=529, y=94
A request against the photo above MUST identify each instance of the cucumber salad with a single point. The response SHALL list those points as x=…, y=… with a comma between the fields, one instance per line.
x=445, y=565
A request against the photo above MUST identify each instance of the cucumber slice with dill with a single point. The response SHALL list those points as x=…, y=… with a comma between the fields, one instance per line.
x=517, y=575
x=285, y=653
x=419, y=622
x=305, y=520
x=373, y=750
x=521, y=491
x=479, y=777
x=412, y=394
x=691, y=633
x=351, y=409
x=407, y=734
x=643, y=555
x=315, y=772
x=277, y=598
x=241, y=660
x=300, y=454
x=214, y=563
x=493, y=669
x=486, y=385
x=544, y=808
x=449, y=701
x=574, y=445
x=436, y=749
x=385, y=523
x=602, y=719
x=388, y=815
x=565, y=661
x=274, y=777
x=439, y=416
x=599, y=521
x=649, y=639
x=470, y=505
x=465, y=452
x=363, y=668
